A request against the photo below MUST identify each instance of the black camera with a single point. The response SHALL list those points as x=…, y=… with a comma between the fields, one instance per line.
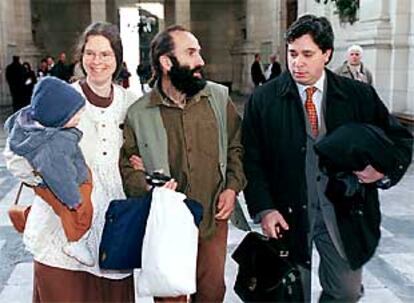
x=157, y=178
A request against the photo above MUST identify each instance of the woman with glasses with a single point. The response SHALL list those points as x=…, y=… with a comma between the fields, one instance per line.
x=58, y=278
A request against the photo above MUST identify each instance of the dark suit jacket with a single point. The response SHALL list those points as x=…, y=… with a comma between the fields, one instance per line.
x=275, y=71
x=274, y=137
x=257, y=73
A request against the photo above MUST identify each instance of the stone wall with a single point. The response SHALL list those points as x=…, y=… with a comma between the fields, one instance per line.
x=230, y=32
x=7, y=47
x=385, y=30
x=257, y=20
x=15, y=39
x=215, y=25
x=58, y=24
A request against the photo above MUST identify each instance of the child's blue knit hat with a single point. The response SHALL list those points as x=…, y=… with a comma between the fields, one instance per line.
x=55, y=102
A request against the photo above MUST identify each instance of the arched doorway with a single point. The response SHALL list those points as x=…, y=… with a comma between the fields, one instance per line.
x=139, y=24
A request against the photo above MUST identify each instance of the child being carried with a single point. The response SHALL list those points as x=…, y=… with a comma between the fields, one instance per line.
x=45, y=134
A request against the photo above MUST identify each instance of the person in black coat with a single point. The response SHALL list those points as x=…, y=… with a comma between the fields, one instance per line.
x=143, y=75
x=15, y=78
x=283, y=120
x=61, y=70
x=258, y=77
x=274, y=68
x=29, y=83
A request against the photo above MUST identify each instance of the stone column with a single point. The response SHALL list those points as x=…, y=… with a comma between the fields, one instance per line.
x=169, y=12
x=183, y=13
x=23, y=33
x=15, y=39
x=401, y=68
x=98, y=10
x=375, y=36
x=6, y=10
x=244, y=50
x=242, y=59
x=410, y=66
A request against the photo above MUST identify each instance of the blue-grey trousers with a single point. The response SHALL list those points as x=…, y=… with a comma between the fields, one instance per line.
x=339, y=282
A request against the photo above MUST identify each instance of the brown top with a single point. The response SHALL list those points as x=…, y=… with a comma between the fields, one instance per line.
x=94, y=98
x=193, y=151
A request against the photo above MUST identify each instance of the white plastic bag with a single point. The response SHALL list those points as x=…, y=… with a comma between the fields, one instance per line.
x=169, y=250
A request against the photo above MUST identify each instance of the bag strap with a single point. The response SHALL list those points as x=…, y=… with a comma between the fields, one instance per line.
x=16, y=201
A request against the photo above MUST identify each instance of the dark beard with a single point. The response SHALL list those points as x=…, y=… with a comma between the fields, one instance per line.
x=183, y=79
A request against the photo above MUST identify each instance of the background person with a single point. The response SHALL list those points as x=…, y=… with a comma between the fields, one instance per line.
x=43, y=70
x=50, y=63
x=274, y=69
x=353, y=67
x=61, y=69
x=124, y=75
x=144, y=74
x=29, y=82
x=15, y=76
x=257, y=72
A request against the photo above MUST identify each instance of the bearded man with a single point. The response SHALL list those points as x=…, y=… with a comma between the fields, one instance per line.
x=188, y=127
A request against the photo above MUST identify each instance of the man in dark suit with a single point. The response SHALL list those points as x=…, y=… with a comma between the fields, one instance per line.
x=61, y=70
x=15, y=78
x=274, y=69
x=286, y=188
x=256, y=70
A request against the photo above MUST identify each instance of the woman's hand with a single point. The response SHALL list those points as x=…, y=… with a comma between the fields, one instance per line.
x=136, y=163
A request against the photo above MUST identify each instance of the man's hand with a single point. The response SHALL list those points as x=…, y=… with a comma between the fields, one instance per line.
x=273, y=224
x=172, y=184
x=225, y=205
x=136, y=163
x=368, y=175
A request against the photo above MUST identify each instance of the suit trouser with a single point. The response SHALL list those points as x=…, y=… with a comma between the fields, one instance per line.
x=339, y=282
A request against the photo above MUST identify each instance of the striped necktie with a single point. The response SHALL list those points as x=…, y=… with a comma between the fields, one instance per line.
x=311, y=110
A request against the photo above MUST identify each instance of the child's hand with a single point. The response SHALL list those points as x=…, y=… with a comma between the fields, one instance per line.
x=136, y=163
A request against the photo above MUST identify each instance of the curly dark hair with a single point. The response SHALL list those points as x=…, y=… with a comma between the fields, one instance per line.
x=319, y=28
x=110, y=32
x=162, y=44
